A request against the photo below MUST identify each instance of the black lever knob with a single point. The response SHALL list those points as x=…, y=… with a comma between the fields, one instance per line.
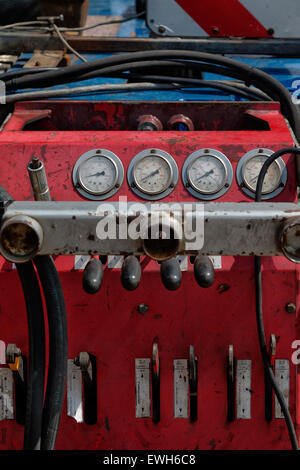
x=204, y=271
x=170, y=274
x=131, y=273
x=92, y=276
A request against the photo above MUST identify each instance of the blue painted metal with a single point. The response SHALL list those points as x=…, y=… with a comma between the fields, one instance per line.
x=286, y=70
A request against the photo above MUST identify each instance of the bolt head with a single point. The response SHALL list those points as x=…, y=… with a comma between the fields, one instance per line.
x=143, y=308
x=290, y=307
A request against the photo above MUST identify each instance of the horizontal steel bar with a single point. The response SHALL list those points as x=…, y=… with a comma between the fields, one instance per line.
x=16, y=42
x=229, y=228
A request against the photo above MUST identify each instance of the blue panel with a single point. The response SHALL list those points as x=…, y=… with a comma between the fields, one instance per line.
x=286, y=70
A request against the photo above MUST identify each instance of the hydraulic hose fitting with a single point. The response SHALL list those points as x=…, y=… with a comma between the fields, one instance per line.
x=163, y=238
x=38, y=179
x=21, y=238
x=289, y=239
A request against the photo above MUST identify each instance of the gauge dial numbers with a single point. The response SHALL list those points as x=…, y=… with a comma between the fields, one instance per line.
x=248, y=170
x=98, y=174
x=207, y=174
x=152, y=174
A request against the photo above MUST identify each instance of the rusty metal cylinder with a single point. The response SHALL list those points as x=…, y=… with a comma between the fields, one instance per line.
x=38, y=179
x=21, y=238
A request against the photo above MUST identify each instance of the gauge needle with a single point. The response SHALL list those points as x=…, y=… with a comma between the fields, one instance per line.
x=206, y=174
x=155, y=172
x=99, y=173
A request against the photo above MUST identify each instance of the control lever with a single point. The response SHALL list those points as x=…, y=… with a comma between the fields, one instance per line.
x=92, y=276
x=171, y=274
x=193, y=381
x=131, y=273
x=87, y=364
x=230, y=385
x=18, y=364
x=204, y=271
x=155, y=384
x=268, y=385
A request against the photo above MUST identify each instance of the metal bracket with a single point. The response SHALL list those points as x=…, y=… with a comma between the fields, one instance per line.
x=87, y=364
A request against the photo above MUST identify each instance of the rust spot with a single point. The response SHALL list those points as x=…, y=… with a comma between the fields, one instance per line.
x=19, y=239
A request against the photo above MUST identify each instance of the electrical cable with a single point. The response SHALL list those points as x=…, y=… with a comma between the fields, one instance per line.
x=65, y=43
x=105, y=23
x=35, y=23
x=259, y=309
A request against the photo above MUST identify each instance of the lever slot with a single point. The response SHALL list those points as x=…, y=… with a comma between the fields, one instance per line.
x=193, y=381
x=230, y=385
x=155, y=384
x=268, y=385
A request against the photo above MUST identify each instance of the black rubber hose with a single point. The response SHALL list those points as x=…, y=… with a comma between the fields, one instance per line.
x=259, y=309
x=230, y=88
x=58, y=350
x=36, y=335
x=249, y=74
x=36, y=376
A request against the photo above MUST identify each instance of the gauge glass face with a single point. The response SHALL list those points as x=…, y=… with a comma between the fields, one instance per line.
x=152, y=174
x=207, y=174
x=251, y=172
x=98, y=175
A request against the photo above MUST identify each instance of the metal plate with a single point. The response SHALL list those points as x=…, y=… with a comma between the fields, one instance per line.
x=74, y=392
x=6, y=394
x=282, y=375
x=142, y=388
x=2, y=353
x=181, y=388
x=243, y=389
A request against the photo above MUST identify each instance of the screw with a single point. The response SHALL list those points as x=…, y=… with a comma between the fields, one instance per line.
x=161, y=29
x=290, y=307
x=215, y=30
x=143, y=308
x=270, y=31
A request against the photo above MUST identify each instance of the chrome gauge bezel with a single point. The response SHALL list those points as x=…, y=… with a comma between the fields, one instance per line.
x=188, y=183
x=83, y=190
x=242, y=182
x=135, y=185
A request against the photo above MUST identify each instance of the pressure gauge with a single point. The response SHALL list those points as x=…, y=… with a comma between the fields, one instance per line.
x=152, y=174
x=98, y=174
x=207, y=174
x=248, y=170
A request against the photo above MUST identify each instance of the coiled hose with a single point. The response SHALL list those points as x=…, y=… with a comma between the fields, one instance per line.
x=58, y=350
